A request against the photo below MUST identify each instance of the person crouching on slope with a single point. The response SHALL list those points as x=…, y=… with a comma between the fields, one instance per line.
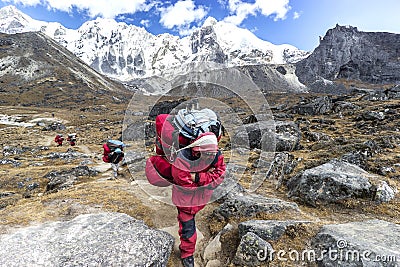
x=113, y=152
x=198, y=169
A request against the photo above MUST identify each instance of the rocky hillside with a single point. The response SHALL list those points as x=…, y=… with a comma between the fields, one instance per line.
x=35, y=70
x=333, y=181
x=351, y=57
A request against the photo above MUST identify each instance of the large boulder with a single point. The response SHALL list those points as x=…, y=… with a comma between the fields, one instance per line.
x=268, y=230
x=330, y=182
x=230, y=187
x=252, y=204
x=317, y=106
x=104, y=239
x=365, y=244
x=253, y=251
x=269, y=136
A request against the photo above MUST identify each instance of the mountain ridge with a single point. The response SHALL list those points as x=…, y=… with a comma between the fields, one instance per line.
x=127, y=52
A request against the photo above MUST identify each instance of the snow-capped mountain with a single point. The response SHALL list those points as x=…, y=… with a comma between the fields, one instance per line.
x=126, y=51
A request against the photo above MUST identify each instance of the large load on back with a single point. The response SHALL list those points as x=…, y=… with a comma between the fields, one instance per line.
x=177, y=131
x=113, y=151
x=174, y=132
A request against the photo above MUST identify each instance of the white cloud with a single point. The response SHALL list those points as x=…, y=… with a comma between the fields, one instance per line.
x=241, y=10
x=145, y=22
x=181, y=15
x=104, y=8
x=222, y=3
x=24, y=2
x=296, y=15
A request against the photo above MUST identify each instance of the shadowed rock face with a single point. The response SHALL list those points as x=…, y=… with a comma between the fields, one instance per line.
x=346, y=53
x=105, y=239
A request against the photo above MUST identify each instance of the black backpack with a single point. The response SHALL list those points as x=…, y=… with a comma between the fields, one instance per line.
x=115, y=157
x=116, y=153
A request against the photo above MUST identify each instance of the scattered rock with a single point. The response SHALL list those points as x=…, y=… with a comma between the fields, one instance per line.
x=6, y=194
x=317, y=136
x=9, y=150
x=55, y=126
x=32, y=186
x=341, y=106
x=70, y=154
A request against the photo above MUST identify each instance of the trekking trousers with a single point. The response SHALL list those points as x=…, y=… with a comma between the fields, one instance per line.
x=187, y=233
x=114, y=167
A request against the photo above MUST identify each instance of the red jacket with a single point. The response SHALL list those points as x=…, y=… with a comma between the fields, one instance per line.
x=191, y=196
x=58, y=139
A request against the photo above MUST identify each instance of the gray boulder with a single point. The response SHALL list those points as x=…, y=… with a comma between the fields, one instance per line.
x=341, y=106
x=230, y=187
x=317, y=106
x=139, y=130
x=330, y=182
x=371, y=243
x=105, y=239
x=394, y=93
x=282, y=165
x=268, y=136
x=287, y=136
x=255, y=135
x=384, y=193
x=267, y=229
x=133, y=157
x=251, y=205
x=253, y=251
x=373, y=116
x=59, y=180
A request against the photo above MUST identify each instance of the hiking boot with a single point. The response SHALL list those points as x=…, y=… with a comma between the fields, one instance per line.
x=188, y=262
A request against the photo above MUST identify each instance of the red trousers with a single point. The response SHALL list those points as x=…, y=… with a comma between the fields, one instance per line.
x=187, y=233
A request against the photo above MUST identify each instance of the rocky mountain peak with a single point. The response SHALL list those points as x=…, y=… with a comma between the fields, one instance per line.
x=127, y=52
x=13, y=21
x=349, y=55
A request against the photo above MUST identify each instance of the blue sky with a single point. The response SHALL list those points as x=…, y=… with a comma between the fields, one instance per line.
x=295, y=22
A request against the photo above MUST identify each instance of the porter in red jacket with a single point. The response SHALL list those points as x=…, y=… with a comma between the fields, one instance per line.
x=59, y=139
x=196, y=172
